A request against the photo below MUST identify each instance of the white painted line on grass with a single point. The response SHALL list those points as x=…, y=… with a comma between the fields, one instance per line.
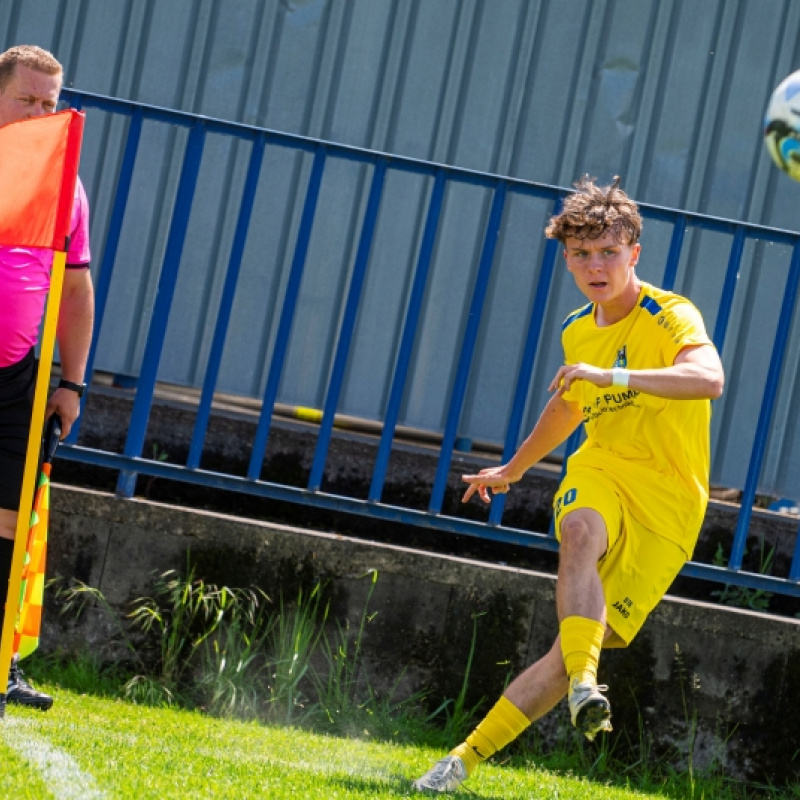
x=65, y=779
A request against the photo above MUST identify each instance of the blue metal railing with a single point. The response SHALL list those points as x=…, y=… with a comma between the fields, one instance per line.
x=407, y=339
x=130, y=463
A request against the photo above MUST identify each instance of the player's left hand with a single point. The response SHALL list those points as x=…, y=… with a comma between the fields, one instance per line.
x=569, y=373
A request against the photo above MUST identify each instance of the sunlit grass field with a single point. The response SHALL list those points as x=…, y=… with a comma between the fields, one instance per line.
x=92, y=747
x=219, y=698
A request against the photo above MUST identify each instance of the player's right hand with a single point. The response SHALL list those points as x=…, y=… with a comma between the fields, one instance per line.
x=492, y=478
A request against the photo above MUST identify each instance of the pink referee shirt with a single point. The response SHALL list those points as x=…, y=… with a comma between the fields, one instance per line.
x=25, y=281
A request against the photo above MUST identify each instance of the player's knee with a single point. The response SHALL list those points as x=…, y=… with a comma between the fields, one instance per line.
x=574, y=531
x=580, y=537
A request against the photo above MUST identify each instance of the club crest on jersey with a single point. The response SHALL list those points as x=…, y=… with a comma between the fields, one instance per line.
x=622, y=358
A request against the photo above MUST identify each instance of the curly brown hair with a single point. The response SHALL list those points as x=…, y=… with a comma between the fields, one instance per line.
x=30, y=56
x=592, y=211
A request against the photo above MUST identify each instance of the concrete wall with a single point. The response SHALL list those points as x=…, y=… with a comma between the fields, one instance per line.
x=736, y=669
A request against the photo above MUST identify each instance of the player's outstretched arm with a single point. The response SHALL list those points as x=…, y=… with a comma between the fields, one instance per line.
x=558, y=420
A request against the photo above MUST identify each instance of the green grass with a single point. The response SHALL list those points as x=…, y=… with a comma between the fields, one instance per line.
x=124, y=750
x=220, y=699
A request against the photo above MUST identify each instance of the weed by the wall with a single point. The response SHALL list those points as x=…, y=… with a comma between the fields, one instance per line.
x=742, y=596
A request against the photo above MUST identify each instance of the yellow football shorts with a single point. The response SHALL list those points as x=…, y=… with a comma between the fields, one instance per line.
x=639, y=565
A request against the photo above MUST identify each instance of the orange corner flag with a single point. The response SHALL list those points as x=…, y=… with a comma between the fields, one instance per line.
x=38, y=170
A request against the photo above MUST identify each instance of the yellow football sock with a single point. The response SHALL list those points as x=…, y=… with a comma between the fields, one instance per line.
x=499, y=727
x=581, y=641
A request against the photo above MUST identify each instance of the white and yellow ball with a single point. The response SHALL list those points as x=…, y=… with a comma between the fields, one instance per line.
x=782, y=126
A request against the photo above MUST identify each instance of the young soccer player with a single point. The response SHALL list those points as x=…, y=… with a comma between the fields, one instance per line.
x=639, y=372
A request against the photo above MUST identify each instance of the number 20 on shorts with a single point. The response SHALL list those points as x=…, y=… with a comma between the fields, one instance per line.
x=567, y=499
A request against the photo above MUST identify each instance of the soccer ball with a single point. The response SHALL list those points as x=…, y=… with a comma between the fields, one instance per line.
x=782, y=126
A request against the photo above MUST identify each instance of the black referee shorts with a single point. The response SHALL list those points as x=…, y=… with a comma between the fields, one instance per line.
x=17, y=384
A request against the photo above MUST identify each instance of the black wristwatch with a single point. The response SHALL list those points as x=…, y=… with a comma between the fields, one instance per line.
x=79, y=388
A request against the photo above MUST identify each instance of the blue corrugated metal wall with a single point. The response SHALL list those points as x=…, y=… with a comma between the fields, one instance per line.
x=667, y=93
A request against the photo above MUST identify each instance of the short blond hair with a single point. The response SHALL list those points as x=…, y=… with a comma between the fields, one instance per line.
x=592, y=211
x=30, y=56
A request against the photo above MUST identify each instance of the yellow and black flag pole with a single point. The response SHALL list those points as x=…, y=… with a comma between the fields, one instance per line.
x=40, y=161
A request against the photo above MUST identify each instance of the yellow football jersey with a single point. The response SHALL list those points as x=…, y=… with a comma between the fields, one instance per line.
x=655, y=450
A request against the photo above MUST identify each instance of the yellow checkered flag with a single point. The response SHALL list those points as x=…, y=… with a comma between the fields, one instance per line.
x=31, y=596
